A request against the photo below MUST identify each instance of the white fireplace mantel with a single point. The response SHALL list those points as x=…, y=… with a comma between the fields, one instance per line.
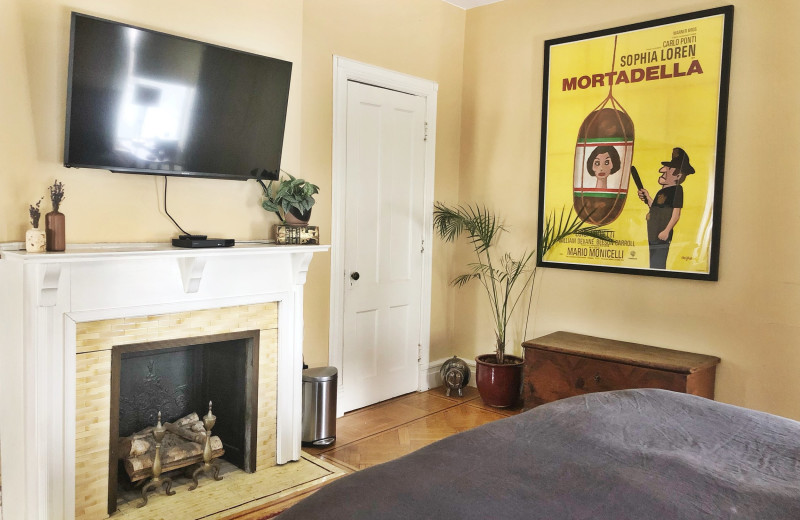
x=44, y=295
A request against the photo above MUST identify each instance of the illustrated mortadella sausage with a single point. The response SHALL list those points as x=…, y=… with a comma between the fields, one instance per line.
x=606, y=135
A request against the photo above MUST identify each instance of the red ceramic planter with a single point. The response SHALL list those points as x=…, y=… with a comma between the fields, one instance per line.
x=499, y=385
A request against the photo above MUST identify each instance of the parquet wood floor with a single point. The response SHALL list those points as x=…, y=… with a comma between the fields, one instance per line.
x=388, y=430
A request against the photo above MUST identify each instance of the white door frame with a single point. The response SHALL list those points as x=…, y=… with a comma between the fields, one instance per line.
x=345, y=70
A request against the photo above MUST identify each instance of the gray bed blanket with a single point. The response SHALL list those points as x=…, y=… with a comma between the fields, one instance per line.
x=631, y=454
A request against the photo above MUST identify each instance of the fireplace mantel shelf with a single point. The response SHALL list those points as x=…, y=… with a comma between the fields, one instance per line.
x=105, y=251
x=46, y=296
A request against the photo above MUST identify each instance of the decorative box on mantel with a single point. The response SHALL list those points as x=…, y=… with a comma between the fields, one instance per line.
x=54, y=304
x=296, y=234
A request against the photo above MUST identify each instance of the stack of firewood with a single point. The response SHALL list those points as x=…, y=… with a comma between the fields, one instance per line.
x=182, y=446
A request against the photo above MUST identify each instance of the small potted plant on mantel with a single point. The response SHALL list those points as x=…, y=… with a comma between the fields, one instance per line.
x=291, y=199
x=504, y=280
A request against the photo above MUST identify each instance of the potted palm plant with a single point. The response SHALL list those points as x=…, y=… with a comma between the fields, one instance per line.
x=504, y=280
x=291, y=199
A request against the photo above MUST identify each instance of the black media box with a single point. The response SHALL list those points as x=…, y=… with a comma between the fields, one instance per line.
x=198, y=243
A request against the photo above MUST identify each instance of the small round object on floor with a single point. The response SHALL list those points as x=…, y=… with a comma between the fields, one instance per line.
x=455, y=375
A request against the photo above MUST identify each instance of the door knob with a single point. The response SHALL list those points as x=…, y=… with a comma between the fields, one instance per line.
x=354, y=275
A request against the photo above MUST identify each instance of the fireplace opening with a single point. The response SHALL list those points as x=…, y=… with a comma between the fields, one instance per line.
x=179, y=378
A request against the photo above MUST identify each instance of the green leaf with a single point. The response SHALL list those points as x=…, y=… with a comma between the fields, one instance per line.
x=269, y=205
x=291, y=193
x=558, y=228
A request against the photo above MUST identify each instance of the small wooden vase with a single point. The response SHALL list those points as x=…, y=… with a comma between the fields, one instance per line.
x=35, y=240
x=54, y=229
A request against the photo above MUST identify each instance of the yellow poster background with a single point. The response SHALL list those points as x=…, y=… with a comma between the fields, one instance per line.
x=667, y=112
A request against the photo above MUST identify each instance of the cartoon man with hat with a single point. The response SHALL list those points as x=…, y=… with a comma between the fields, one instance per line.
x=665, y=208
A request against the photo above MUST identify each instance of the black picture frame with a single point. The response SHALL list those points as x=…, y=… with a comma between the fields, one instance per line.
x=665, y=107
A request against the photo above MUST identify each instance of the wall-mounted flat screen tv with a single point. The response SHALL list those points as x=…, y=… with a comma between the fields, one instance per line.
x=141, y=101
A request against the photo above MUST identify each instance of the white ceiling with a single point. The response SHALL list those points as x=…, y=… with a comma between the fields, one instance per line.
x=467, y=4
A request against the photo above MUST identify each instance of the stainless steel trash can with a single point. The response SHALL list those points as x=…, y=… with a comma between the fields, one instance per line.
x=319, y=406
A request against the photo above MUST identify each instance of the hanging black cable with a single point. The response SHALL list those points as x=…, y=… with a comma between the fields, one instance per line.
x=167, y=211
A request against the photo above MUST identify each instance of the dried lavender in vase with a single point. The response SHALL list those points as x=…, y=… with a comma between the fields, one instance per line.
x=57, y=194
x=35, y=214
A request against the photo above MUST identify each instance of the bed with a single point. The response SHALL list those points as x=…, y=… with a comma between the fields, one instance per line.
x=651, y=454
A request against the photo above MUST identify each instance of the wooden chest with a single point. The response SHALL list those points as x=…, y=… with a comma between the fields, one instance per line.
x=564, y=364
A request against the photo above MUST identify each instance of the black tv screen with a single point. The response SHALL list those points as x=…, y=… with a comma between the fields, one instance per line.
x=141, y=101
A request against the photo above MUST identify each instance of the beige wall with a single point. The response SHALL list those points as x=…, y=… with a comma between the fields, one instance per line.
x=748, y=318
x=17, y=145
x=423, y=38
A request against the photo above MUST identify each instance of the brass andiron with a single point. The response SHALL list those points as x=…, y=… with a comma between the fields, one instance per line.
x=208, y=422
x=158, y=432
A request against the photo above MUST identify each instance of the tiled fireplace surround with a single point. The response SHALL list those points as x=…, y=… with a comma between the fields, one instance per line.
x=65, y=311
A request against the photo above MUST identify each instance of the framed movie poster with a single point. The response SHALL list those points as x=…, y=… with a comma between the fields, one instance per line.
x=633, y=141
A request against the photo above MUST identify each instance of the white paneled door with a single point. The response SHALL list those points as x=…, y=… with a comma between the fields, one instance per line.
x=385, y=172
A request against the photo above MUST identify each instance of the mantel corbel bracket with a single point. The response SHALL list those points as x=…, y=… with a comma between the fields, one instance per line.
x=300, y=262
x=48, y=287
x=191, y=272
